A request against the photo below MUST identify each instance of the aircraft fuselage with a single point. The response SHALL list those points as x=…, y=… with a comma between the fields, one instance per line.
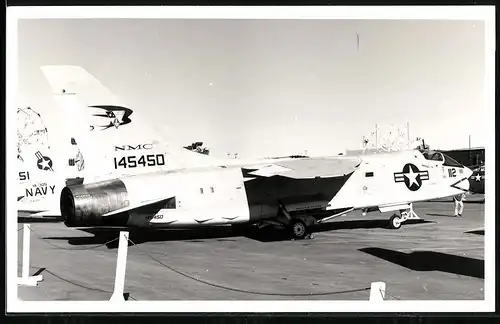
x=231, y=195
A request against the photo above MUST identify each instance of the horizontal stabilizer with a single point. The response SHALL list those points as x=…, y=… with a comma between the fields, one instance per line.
x=143, y=204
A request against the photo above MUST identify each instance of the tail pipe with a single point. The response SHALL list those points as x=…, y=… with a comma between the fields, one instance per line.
x=84, y=204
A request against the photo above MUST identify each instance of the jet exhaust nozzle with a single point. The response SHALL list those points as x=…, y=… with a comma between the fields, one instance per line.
x=84, y=204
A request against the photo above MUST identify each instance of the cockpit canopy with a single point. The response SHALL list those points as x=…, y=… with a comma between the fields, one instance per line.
x=433, y=156
x=442, y=158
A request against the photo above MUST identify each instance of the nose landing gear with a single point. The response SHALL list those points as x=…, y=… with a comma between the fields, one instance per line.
x=396, y=221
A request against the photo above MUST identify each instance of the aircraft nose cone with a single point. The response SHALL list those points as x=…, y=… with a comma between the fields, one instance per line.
x=464, y=184
x=468, y=172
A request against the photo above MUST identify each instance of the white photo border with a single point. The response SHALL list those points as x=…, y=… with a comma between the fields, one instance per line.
x=483, y=13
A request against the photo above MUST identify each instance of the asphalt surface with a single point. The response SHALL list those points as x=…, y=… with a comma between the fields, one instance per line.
x=439, y=259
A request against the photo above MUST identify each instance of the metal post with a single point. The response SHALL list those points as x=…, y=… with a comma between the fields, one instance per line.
x=470, y=158
x=26, y=251
x=25, y=279
x=377, y=291
x=121, y=264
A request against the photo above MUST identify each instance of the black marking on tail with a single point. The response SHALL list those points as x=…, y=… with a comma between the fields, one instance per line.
x=110, y=113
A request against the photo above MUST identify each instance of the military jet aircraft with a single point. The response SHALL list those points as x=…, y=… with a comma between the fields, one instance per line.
x=149, y=184
x=477, y=180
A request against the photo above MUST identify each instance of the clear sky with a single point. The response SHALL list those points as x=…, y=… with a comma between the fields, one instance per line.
x=273, y=87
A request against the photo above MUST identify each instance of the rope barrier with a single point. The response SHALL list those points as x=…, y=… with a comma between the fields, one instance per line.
x=76, y=283
x=205, y=282
x=72, y=249
x=250, y=291
x=388, y=294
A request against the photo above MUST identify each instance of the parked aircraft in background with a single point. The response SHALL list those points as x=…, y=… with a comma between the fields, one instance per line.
x=477, y=180
x=472, y=158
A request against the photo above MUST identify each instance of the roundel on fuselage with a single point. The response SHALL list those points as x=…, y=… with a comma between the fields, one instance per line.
x=411, y=176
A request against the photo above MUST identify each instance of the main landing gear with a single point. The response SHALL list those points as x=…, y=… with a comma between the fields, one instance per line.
x=298, y=227
x=299, y=230
x=396, y=221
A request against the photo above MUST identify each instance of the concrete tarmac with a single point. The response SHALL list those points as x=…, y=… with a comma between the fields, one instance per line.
x=437, y=259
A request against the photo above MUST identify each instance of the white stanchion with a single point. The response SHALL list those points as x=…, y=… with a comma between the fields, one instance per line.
x=377, y=291
x=121, y=264
x=26, y=279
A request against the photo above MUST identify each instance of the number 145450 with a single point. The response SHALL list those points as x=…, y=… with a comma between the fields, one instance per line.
x=142, y=160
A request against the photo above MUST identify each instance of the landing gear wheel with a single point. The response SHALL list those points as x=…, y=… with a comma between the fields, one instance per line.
x=299, y=229
x=395, y=222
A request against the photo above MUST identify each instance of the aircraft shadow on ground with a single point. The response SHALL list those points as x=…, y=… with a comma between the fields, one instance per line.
x=465, y=201
x=431, y=261
x=451, y=215
x=199, y=235
x=441, y=215
x=475, y=202
x=27, y=220
x=477, y=232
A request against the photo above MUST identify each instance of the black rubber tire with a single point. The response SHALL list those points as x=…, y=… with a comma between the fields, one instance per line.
x=395, y=222
x=298, y=229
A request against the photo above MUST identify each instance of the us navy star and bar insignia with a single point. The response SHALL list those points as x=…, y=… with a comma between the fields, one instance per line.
x=411, y=176
x=44, y=162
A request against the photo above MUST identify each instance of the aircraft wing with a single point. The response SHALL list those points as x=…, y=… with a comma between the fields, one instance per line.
x=307, y=168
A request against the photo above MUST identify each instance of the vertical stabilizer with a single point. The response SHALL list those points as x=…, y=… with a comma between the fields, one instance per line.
x=113, y=137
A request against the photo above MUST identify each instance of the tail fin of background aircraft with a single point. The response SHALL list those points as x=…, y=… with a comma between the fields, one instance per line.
x=114, y=139
x=41, y=171
x=39, y=177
